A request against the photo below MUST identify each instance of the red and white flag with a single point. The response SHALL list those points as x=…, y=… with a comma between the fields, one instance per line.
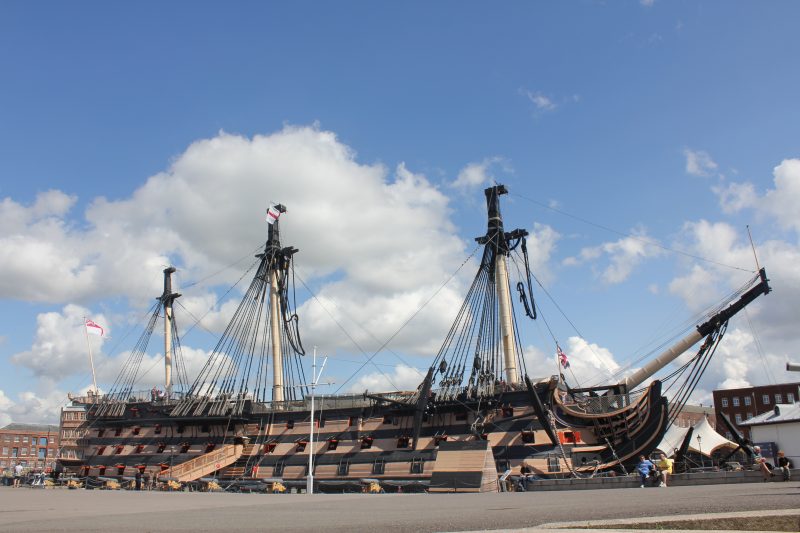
x=94, y=328
x=273, y=213
x=562, y=357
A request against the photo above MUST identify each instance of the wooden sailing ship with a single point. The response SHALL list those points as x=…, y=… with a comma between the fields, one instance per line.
x=246, y=418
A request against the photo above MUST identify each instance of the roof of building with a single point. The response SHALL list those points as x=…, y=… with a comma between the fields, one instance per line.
x=757, y=388
x=782, y=412
x=710, y=441
x=30, y=427
x=698, y=409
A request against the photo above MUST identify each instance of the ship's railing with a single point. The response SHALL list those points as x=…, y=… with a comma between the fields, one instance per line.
x=132, y=397
x=323, y=402
x=597, y=405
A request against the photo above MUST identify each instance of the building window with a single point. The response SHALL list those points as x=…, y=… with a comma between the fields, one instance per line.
x=765, y=399
x=778, y=398
x=24, y=451
x=736, y=401
x=724, y=402
x=738, y=418
x=5, y=451
x=789, y=397
x=16, y=438
x=14, y=452
x=747, y=401
x=42, y=453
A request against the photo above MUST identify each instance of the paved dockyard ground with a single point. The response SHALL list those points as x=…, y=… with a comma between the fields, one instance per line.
x=26, y=509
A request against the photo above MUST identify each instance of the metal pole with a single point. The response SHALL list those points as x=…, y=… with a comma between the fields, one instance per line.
x=700, y=447
x=91, y=359
x=310, y=478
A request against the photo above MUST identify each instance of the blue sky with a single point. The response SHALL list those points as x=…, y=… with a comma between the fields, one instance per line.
x=644, y=117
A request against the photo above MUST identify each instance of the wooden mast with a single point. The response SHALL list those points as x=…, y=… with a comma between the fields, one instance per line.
x=166, y=300
x=274, y=258
x=277, y=353
x=496, y=238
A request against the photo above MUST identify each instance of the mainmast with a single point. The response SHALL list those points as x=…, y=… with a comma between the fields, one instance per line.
x=496, y=238
x=166, y=301
x=274, y=256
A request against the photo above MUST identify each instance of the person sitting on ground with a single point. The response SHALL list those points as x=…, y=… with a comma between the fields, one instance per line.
x=524, y=471
x=761, y=463
x=784, y=465
x=665, y=467
x=644, y=468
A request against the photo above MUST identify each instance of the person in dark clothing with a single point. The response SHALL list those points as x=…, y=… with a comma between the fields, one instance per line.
x=524, y=472
x=138, y=479
x=57, y=469
x=784, y=465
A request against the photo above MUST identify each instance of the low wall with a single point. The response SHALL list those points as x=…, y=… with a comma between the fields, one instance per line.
x=632, y=481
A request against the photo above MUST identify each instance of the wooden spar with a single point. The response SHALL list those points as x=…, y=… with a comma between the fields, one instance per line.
x=275, y=333
x=638, y=377
x=166, y=299
x=506, y=324
x=665, y=358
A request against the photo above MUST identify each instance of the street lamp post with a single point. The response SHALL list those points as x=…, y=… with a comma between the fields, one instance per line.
x=700, y=448
x=314, y=379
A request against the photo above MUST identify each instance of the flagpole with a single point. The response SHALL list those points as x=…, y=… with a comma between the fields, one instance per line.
x=91, y=359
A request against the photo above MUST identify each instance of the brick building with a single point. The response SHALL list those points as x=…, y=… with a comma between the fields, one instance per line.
x=73, y=428
x=690, y=415
x=742, y=404
x=31, y=445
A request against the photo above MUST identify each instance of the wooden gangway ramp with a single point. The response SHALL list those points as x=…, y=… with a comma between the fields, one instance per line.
x=464, y=466
x=205, y=464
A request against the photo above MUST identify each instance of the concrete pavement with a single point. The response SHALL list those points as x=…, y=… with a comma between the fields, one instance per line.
x=27, y=509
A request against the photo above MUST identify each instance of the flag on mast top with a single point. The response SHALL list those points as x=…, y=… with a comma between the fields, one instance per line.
x=562, y=357
x=273, y=213
x=94, y=328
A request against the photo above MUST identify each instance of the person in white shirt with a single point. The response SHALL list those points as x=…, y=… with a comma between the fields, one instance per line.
x=17, y=474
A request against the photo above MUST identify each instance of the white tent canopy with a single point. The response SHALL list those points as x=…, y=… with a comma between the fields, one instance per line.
x=710, y=441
